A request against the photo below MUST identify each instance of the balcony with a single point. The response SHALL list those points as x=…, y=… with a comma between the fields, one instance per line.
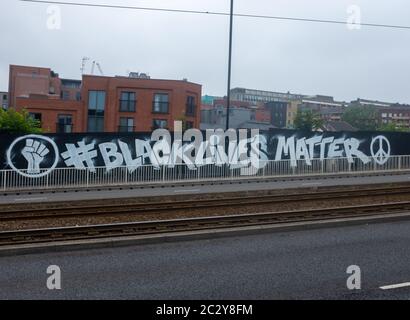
x=64, y=128
x=126, y=128
x=400, y=118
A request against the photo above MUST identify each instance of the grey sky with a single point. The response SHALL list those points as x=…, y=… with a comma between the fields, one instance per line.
x=271, y=55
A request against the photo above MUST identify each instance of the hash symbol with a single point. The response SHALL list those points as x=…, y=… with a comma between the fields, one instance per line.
x=78, y=156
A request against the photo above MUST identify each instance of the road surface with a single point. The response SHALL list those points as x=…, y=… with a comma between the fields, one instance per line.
x=308, y=264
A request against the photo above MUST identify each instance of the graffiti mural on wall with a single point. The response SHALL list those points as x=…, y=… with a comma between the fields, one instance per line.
x=38, y=155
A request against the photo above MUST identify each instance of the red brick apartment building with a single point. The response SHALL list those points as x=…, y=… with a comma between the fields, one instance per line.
x=103, y=104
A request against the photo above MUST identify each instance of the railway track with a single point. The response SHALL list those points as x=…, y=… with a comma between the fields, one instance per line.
x=194, y=224
x=10, y=214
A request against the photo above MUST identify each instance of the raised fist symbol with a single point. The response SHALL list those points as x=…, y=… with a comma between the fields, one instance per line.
x=34, y=152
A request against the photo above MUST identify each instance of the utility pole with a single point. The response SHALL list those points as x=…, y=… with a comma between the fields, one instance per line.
x=228, y=96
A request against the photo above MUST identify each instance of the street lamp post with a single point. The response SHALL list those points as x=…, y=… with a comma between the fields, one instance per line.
x=228, y=96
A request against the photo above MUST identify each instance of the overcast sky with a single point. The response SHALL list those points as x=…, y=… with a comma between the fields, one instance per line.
x=273, y=55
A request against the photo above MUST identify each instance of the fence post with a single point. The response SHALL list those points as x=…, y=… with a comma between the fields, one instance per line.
x=88, y=177
x=5, y=179
x=399, y=163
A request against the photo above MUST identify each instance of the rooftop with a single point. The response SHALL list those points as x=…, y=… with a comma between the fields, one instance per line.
x=336, y=126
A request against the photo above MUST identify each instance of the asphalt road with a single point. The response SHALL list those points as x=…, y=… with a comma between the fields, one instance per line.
x=244, y=185
x=308, y=264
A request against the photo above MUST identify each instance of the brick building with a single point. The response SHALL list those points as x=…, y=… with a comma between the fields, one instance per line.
x=386, y=113
x=397, y=114
x=4, y=99
x=242, y=114
x=278, y=111
x=256, y=96
x=103, y=104
x=325, y=106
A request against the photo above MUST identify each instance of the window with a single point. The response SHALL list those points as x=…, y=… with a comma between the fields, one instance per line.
x=160, y=103
x=158, y=123
x=65, y=123
x=126, y=125
x=78, y=96
x=96, y=101
x=5, y=97
x=95, y=124
x=190, y=106
x=96, y=107
x=35, y=116
x=72, y=84
x=65, y=95
x=127, y=102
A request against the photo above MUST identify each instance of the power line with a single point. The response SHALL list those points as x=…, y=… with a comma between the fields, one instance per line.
x=215, y=13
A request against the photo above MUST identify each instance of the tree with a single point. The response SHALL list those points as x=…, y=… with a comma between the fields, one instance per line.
x=392, y=127
x=12, y=121
x=361, y=117
x=307, y=120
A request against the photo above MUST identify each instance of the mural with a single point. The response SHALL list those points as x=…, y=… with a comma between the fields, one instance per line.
x=38, y=155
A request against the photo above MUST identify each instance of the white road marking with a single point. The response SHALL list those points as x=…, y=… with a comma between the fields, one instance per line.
x=183, y=191
x=30, y=199
x=396, y=286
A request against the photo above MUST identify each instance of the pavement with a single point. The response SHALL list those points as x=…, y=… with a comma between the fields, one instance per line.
x=196, y=188
x=306, y=264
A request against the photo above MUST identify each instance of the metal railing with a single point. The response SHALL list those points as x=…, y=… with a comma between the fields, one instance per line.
x=61, y=178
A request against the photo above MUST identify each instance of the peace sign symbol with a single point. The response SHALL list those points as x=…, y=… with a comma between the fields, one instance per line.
x=380, y=149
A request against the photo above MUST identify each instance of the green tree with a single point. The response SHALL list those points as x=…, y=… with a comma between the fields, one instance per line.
x=307, y=120
x=12, y=121
x=362, y=117
x=392, y=127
